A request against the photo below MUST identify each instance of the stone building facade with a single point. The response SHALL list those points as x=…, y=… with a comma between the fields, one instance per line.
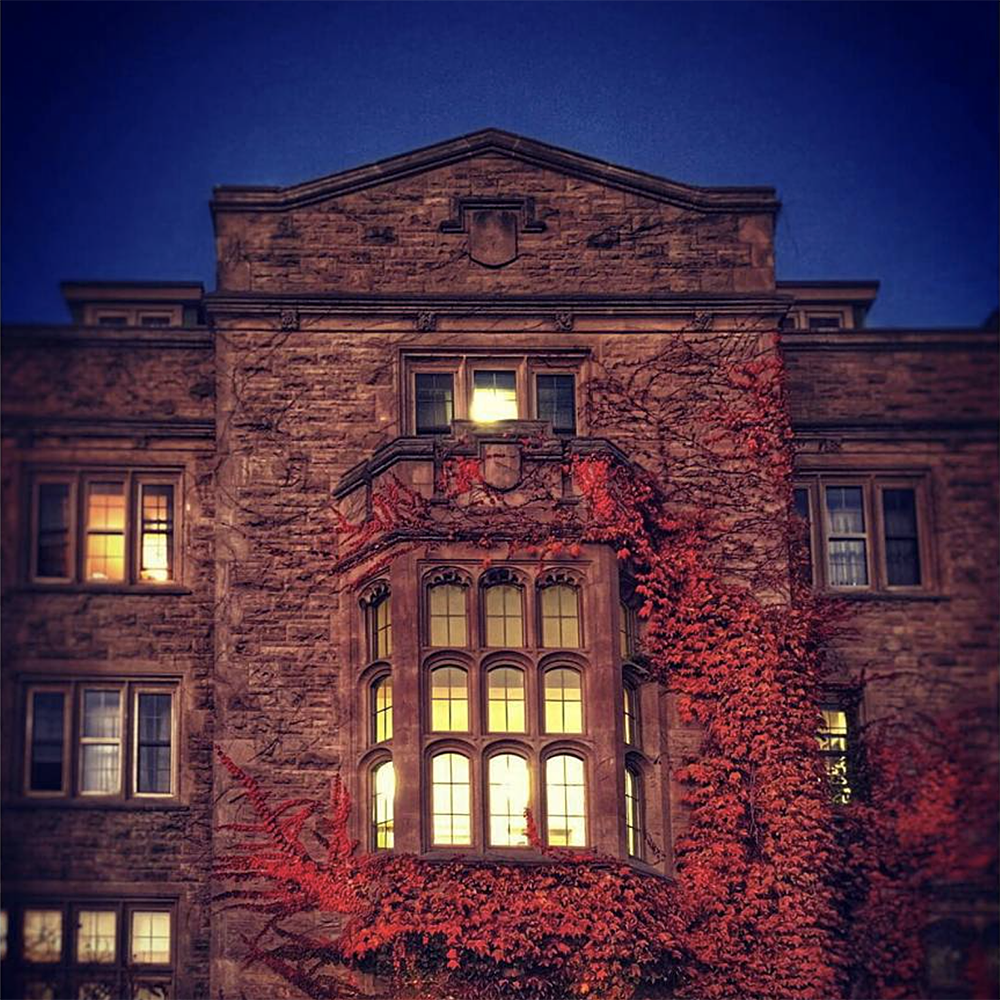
x=174, y=463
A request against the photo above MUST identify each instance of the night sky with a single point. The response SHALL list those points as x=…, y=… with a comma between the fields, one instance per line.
x=877, y=124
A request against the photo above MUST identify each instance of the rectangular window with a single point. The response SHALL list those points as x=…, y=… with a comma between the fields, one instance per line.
x=494, y=396
x=556, y=401
x=41, y=935
x=123, y=722
x=96, y=933
x=124, y=525
x=832, y=737
x=435, y=399
x=870, y=533
x=802, y=508
x=150, y=937
x=504, y=616
x=46, y=741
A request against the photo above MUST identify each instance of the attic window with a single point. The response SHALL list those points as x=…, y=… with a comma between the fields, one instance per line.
x=825, y=322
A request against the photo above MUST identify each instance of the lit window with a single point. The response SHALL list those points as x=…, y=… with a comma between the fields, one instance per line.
x=902, y=548
x=383, y=805
x=100, y=742
x=505, y=696
x=156, y=545
x=504, y=616
x=41, y=938
x=47, y=728
x=633, y=813
x=382, y=709
x=448, y=617
x=630, y=707
x=449, y=700
x=509, y=792
x=560, y=617
x=154, y=766
x=96, y=932
x=833, y=747
x=563, y=701
x=556, y=397
x=451, y=821
x=435, y=402
x=105, y=532
x=565, y=797
x=494, y=396
x=848, y=540
x=150, y=937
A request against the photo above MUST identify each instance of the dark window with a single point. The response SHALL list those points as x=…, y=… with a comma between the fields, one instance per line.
x=52, y=552
x=801, y=500
x=154, y=321
x=557, y=402
x=435, y=402
x=155, y=722
x=902, y=550
x=824, y=322
x=112, y=320
x=48, y=733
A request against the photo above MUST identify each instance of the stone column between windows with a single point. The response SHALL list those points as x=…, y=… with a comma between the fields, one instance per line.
x=406, y=702
x=606, y=808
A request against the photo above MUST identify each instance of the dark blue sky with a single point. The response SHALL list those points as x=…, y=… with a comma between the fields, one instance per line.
x=878, y=124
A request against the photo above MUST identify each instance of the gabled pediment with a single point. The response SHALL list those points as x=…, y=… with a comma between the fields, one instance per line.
x=495, y=142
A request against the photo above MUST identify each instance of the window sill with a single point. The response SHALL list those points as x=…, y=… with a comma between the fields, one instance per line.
x=926, y=596
x=147, y=590
x=27, y=802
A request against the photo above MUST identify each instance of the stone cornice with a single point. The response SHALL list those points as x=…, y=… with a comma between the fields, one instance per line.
x=230, y=198
x=20, y=425
x=24, y=335
x=870, y=339
x=893, y=429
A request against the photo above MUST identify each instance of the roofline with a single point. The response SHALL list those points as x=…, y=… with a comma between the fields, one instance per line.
x=131, y=283
x=228, y=198
x=840, y=283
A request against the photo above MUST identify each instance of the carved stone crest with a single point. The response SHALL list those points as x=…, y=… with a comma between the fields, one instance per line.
x=564, y=320
x=289, y=319
x=426, y=321
x=501, y=465
x=493, y=237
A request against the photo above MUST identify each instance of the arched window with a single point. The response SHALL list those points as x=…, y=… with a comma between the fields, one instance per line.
x=382, y=709
x=504, y=616
x=509, y=794
x=634, y=832
x=563, y=701
x=383, y=793
x=377, y=604
x=630, y=712
x=451, y=819
x=626, y=631
x=565, y=800
x=449, y=700
x=560, y=616
x=447, y=615
x=505, y=700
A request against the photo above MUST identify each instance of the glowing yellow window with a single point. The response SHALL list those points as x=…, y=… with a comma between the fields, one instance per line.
x=631, y=714
x=382, y=709
x=509, y=792
x=560, y=617
x=494, y=396
x=451, y=821
x=833, y=747
x=383, y=805
x=633, y=813
x=504, y=617
x=156, y=545
x=449, y=700
x=505, y=697
x=563, y=701
x=565, y=797
x=150, y=937
x=105, y=533
x=448, y=619
x=96, y=931
x=41, y=938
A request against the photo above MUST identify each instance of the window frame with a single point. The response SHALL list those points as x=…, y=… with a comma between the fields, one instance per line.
x=502, y=578
x=549, y=754
x=634, y=771
x=128, y=690
x=372, y=597
x=544, y=670
x=504, y=749
x=447, y=664
x=79, y=479
x=372, y=768
x=548, y=582
x=475, y=809
x=444, y=579
x=375, y=684
x=872, y=485
x=535, y=370
x=493, y=666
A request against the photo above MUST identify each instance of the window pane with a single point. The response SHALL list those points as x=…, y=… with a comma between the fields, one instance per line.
x=560, y=617
x=156, y=547
x=42, y=935
x=563, y=701
x=101, y=714
x=494, y=396
x=633, y=828
x=95, y=935
x=448, y=620
x=846, y=509
x=505, y=697
x=631, y=715
x=105, y=556
x=52, y=553
x=902, y=550
x=449, y=700
x=435, y=402
x=450, y=799
x=47, y=736
x=382, y=623
x=155, y=726
x=383, y=805
x=382, y=703
x=509, y=790
x=150, y=937
x=504, y=620
x=832, y=738
x=565, y=799
x=848, y=563
x=557, y=402
x=100, y=768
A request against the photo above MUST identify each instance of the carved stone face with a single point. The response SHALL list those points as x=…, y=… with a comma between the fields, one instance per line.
x=493, y=237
